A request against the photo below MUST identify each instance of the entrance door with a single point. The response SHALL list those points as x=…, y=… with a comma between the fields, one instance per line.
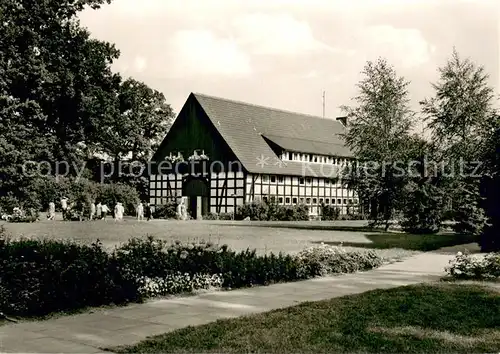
x=197, y=191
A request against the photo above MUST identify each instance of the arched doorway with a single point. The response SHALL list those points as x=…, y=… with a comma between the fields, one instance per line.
x=197, y=192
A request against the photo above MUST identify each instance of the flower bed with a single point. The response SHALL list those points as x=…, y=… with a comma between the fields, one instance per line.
x=39, y=277
x=465, y=266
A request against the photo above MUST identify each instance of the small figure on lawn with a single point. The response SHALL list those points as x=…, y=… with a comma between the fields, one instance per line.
x=182, y=210
x=52, y=211
x=92, y=210
x=98, y=211
x=105, y=211
x=64, y=207
x=148, y=213
x=140, y=212
x=119, y=211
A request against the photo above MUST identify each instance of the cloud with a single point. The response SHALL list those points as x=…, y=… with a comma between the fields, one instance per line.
x=276, y=34
x=403, y=46
x=201, y=53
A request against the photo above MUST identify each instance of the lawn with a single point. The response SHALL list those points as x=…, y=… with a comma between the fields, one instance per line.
x=238, y=237
x=446, y=243
x=262, y=236
x=444, y=318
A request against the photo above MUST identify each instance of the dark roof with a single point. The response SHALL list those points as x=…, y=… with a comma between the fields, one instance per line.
x=243, y=125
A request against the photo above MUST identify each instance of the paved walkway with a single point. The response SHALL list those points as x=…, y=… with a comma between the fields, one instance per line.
x=86, y=333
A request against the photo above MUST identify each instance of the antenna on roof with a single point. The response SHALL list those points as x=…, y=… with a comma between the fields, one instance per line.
x=324, y=103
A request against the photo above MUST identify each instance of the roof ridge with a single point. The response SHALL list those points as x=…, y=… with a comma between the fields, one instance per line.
x=261, y=106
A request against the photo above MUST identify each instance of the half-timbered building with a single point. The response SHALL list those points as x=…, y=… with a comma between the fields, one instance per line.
x=222, y=153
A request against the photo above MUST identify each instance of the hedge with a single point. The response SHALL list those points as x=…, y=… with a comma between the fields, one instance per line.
x=39, y=277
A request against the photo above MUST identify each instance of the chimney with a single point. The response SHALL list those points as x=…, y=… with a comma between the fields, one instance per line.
x=342, y=120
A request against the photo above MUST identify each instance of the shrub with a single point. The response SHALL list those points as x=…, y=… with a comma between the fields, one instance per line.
x=323, y=260
x=82, y=191
x=211, y=216
x=166, y=211
x=155, y=258
x=465, y=266
x=38, y=277
x=178, y=283
x=422, y=209
x=225, y=216
x=272, y=211
x=253, y=210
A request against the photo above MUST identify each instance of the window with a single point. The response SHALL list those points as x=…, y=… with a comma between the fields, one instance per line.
x=308, y=200
x=350, y=201
x=333, y=201
x=301, y=180
x=320, y=200
x=345, y=201
x=334, y=161
x=273, y=199
x=315, y=158
x=327, y=201
x=315, y=201
x=294, y=200
x=308, y=180
x=287, y=200
x=355, y=201
x=280, y=200
x=327, y=181
x=264, y=199
x=339, y=201
x=264, y=178
x=280, y=179
x=302, y=200
x=273, y=179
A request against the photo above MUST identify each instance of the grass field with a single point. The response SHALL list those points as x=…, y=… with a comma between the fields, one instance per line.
x=444, y=318
x=264, y=237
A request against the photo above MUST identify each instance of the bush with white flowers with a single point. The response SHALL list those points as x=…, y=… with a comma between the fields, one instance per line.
x=466, y=266
x=179, y=283
x=324, y=259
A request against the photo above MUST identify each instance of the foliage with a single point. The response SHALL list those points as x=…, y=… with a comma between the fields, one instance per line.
x=38, y=277
x=178, y=283
x=211, y=216
x=329, y=212
x=323, y=260
x=111, y=193
x=272, y=211
x=460, y=117
x=20, y=215
x=60, y=101
x=156, y=258
x=225, y=216
x=82, y=191
x=166, y=211
x=422, y=211
x=465, y=266
x=469, y=216
x=462, y=105
x=378, y=129
x=490, y=239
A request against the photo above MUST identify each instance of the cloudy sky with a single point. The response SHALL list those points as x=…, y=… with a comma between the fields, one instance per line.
x=283, y=54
